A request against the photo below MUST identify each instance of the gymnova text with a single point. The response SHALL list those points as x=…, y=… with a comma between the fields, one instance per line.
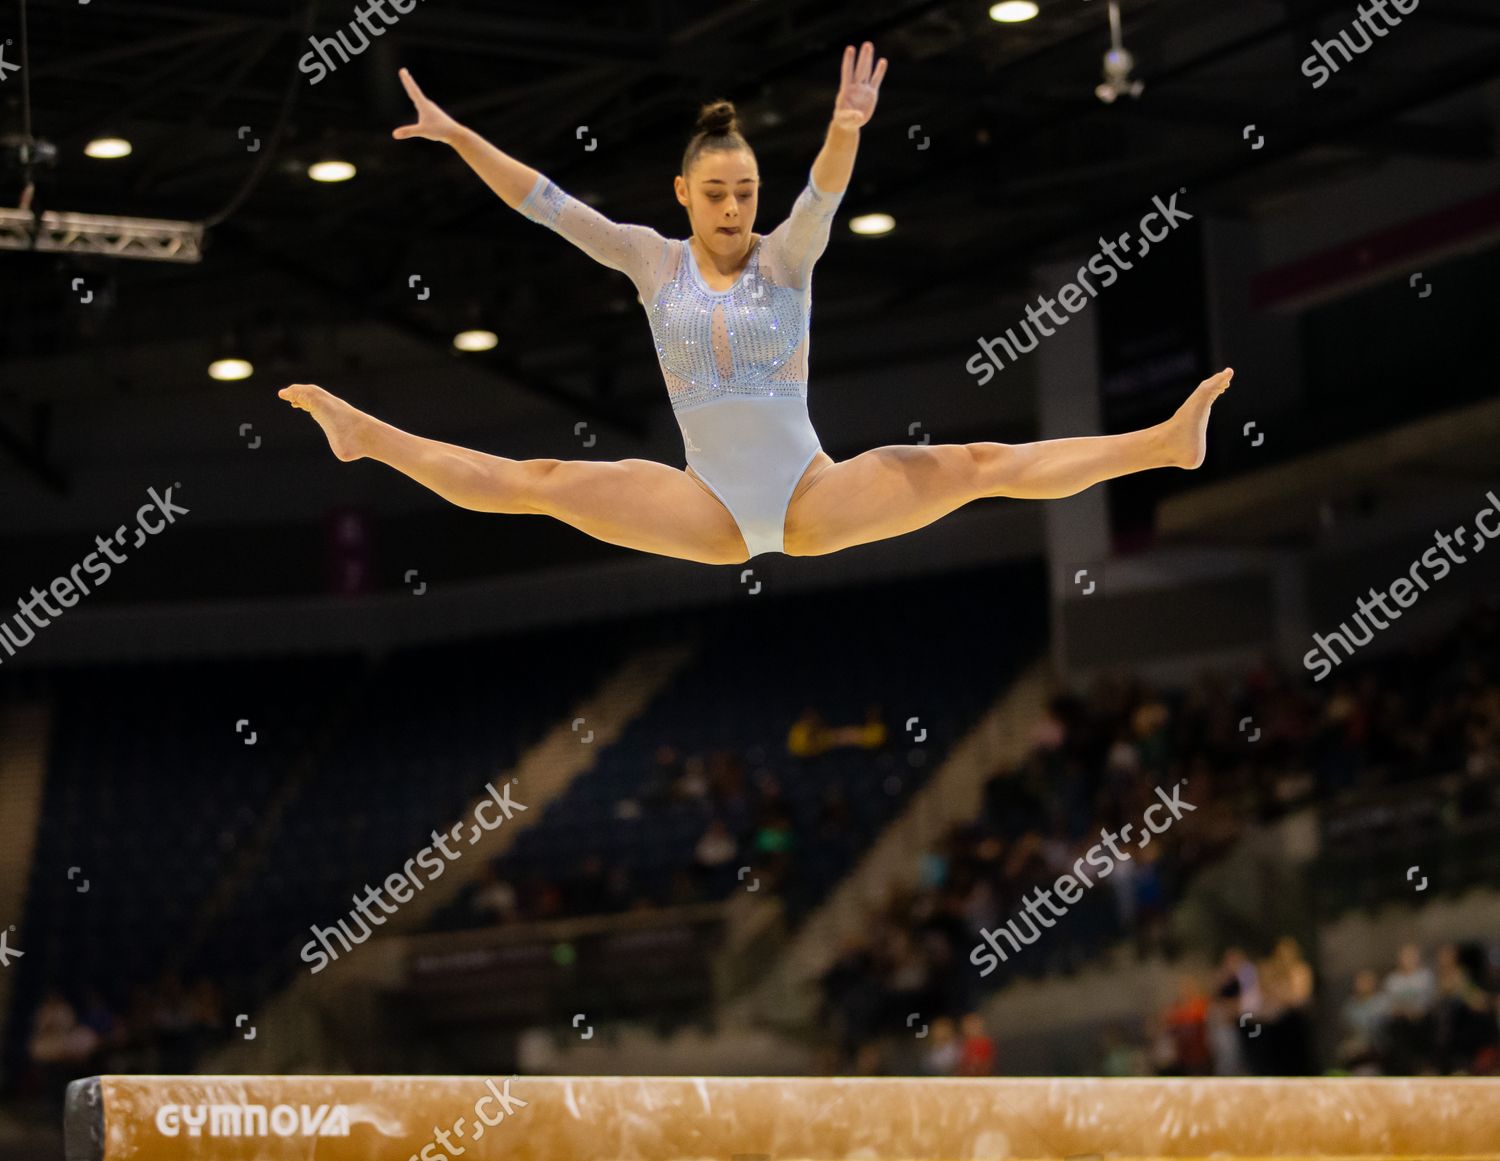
x=1105, y=265
x=1067, y=886
x=253, y=1121
x=1403, y=590
x=403, y=885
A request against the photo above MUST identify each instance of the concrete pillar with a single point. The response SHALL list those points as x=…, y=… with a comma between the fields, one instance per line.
x=1068, y=404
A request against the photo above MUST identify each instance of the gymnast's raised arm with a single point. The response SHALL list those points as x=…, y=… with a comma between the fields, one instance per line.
x=637, y=251
x=797, y=243
x=859, y=89
x=509, y=178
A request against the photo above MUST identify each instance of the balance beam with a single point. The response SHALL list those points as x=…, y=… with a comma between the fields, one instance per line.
x=552, y=1118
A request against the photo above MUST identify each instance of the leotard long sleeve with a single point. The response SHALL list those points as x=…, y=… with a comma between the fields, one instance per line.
x=735, y=361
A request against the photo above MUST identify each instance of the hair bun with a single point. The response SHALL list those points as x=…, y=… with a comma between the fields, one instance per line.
x=718, y=118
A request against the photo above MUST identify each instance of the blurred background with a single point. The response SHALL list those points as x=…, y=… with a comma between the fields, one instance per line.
x=768, y=808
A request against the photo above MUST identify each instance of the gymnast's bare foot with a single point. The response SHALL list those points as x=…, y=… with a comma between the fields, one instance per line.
x=1186, y=433
x=343, y=424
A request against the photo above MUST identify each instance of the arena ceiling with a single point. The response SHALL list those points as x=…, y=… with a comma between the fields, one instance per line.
x=1023, y=158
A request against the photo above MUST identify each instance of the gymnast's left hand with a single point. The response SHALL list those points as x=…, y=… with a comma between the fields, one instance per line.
x=859, y=87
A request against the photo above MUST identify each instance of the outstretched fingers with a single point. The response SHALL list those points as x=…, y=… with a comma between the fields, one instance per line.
x=418, y=98
x=410, y=85
x=862, y=68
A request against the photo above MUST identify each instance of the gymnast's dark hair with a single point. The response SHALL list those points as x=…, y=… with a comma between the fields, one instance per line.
x=718, y=127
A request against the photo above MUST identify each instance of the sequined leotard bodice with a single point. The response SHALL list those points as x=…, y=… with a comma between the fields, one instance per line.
x=735, y=360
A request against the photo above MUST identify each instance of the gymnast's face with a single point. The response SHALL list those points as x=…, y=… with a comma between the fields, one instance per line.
x=720, y=192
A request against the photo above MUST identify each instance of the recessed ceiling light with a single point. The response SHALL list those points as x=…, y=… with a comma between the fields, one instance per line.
x=1013, y=11
x=107, y=148
x=872, y=224
x=475, y=340
x=331, y=171
x=228, y=370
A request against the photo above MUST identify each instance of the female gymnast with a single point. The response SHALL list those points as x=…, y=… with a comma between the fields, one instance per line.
x=729, y=312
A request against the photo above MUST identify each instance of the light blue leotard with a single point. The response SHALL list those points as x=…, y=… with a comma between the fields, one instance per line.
x=735, y=360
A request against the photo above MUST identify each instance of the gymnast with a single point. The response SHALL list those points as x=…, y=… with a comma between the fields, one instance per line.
x=729, y=311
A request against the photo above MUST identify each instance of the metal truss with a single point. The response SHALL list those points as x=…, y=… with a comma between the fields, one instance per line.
x=152, y=239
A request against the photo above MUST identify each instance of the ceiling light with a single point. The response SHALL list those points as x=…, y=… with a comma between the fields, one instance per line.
x=331, y=171
x=229, y=370
x=475, y=340
x=107, y=148
x=871, y=224
x=1013, y=11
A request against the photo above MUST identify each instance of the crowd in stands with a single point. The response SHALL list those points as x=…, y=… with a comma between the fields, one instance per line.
x=1424, y=1019
x=721, y=787
x=1254, y=1017
x=164, y=1028
x=1241, y=753
x=1259, y=1018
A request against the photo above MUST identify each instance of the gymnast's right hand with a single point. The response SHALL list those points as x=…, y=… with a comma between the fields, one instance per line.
x=432, y=123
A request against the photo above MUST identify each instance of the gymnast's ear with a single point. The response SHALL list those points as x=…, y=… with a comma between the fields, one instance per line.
x=680, y=187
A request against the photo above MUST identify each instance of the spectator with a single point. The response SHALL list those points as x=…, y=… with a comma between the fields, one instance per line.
x=1363, y=1018
x=1463, y=1019
x=1238, y=979
x=1288, y=988
x=58, y=1040
x=715, y=848
x=851, y=996
x=1150, y=901
x=1411, y=989
x=494, y=900
x=1162, y=1053
x=774, y=842
x=692, y=783
x=944, y=1049
x=1187, y=1023
x=1225, y=1036
x=908, y=975
x=977, y=1057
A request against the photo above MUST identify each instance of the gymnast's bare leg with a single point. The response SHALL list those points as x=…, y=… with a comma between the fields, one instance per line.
x=654, y=508
x=894, y=490
x=634, y=503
